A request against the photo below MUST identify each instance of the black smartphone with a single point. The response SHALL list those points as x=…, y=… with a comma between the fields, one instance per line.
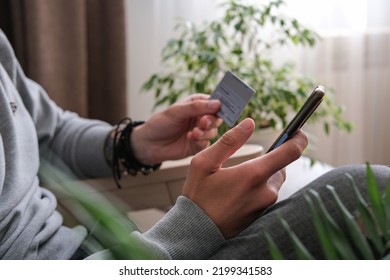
x=301, y=117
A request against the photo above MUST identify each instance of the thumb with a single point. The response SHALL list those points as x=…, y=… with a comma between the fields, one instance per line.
x=213, y=157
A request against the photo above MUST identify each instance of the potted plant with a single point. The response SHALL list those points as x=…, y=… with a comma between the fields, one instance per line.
x=243, y=41
x=366, y=234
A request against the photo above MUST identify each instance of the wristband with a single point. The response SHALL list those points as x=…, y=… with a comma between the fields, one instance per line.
x=123, y=158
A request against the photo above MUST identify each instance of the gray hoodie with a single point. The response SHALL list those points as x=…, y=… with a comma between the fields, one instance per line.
x=30, y=226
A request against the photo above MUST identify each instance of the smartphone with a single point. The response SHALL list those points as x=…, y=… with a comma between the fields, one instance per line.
x=301, y=117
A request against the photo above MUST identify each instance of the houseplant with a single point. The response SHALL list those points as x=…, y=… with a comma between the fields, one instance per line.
x=243, y=41
x=366, y=234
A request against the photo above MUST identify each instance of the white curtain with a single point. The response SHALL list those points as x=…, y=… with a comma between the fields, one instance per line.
x=353, y=59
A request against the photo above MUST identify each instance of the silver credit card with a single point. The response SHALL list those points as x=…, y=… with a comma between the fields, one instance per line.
x=234, y=95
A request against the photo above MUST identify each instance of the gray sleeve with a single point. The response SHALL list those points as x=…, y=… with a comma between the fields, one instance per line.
x=76, y=141
x=186, y=232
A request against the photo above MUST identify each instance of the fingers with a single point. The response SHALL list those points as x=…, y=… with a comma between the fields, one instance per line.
x=276, y=180
x=195, y=96
x=206, y=128
x=198, y=134
x=208, y=122
x=213, y=158
x=197, y=108
x=202, y=108
x=279, y=158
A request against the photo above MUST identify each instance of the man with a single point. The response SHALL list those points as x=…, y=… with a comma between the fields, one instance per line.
x=222, y=213
x=216, y=203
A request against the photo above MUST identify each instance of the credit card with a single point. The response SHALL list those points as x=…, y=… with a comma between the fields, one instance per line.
x=234, y=95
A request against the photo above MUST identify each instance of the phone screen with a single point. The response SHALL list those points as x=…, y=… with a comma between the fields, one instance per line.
x=301, y=117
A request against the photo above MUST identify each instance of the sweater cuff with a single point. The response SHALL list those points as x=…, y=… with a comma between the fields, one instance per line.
x=186, y=232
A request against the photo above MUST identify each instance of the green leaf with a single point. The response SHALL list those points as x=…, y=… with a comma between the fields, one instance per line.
x=353, y=229
x=368, y=219
x=326, y=128
x=339, y=240
x=295, y=23
x=386, y=201
x=273, y=248
x=295, y=39
x=325, y=238
x=111, y=228
x=237, y=50
x=149, y=84
x=300, y=249
x=199, y=87
x=376, y=200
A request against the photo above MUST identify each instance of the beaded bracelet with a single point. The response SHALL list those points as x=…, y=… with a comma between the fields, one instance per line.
x=123, y=154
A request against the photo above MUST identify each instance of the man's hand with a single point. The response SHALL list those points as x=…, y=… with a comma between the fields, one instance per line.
x=184, y=129
x=233, y=197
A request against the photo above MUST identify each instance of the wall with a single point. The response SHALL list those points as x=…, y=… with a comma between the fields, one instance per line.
x=151, y=24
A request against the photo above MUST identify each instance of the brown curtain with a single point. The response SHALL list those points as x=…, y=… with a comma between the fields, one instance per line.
x=76, y=49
